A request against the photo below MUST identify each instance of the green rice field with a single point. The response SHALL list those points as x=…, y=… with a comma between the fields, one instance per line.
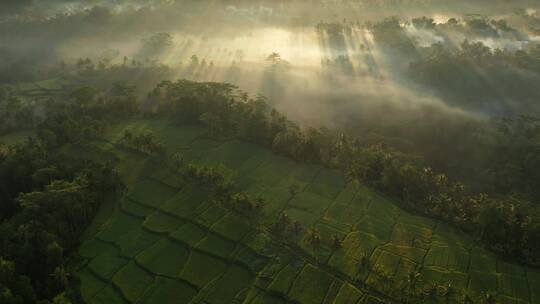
x=166, y=242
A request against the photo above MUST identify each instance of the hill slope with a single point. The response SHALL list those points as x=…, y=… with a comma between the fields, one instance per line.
x=167, y=242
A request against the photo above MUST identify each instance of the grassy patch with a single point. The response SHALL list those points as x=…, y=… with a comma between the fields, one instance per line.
x=330, y=177
x=133, y=281
x=483, y=261
x=230, y=154
x=284, y=280
x=447, y=236
x=119, y=224
x=90, y=285
x=249, y=257
x=216, y=245
x=227, y=287
x=383, y=210
x=310, y=286
x=345, y=262
x=271, y=172
x=211, y=215
x=306, y=218
x=348, y=193
x=164, y=258
x=410, y=235
x=535, y=292
x=405, y=268
x=509, y=268
x=135, y=241
x=412, y=253
x=180, y=138
x=135, y=208
x=186, y=203
x=380, y=229
x=93, y=247
x=202, y=268
x=310, y=202
x=513, y=286
x=161, y=222
x=108, y=295
x=106, y=265
x=251, y=164
x=348, y=294
x=328, y=191
x=275, y=198
x=151, y=193
x=482, y=282
x=449, y=258
x=456, y=279
x=265, y=298
x=165, y=176
x=342, y=216
x=167, y=291
x=232, y=226
x=388, y=261
x=189, y=233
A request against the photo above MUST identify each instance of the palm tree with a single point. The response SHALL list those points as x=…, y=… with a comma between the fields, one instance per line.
x=297, y=227
x=314, y=238
x=177, y=161
x=337, y=242
x=489, y=298
x=364, y=262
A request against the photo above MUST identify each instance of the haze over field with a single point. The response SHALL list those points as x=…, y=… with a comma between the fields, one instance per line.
x=232, y=41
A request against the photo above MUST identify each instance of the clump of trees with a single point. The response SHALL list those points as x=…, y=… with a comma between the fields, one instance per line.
x=155, y=46
x=48, y=196
x=512, y=231
x=14, y=114
x=144, y=141
x=464, y=72
x=246, y=205
x=47, y=200
x=218, y=180
x=390, y=33
x=286, y=229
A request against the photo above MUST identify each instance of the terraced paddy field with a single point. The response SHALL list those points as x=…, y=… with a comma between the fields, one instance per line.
x=166, y=242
